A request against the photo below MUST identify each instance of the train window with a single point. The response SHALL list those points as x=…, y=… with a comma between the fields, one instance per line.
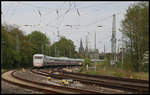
x=38, y=57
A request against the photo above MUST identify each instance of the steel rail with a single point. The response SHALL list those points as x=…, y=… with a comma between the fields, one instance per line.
x=126, y=87
x=111, y=77
x=61, y=87
x=29, y=87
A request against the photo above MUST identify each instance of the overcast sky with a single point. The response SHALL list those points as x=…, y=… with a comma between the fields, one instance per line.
x=48, y=17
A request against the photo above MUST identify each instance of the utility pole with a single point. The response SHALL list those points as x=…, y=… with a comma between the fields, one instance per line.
x=113, y=40
x=104, y=51
x=95, y=41
x=122, y=52
x=17, y=48
x=118, y=53
x=70, y=51
x=55, y=50
x=2, y=56
x=86, y=48
x=42, y=50
x=104, y=59
x=58, y=53
x=58, y=24
x=95, y=51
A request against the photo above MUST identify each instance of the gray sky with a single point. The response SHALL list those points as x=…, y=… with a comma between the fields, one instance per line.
x=48, y=17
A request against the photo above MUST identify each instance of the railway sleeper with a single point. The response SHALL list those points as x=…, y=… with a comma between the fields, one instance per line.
x=103, y=84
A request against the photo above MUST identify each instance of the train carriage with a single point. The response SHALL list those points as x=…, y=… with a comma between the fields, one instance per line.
x=40, y=60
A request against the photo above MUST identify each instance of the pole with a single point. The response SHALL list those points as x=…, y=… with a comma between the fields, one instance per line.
x=1, y=53
x=55, y=50
x=122, y=52
x=113, y=40
x=17, y=47
x=1, y=56
x=95, y=51
x=104, y=59
x=42, y=50
x=104, y=51
x=95, y=40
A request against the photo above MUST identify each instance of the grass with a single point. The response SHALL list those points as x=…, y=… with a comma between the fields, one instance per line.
x=141, y=75
x=113, y=71
x=3, y=70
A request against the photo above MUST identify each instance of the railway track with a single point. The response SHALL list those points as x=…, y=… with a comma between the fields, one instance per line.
x=43, y=86
x=73, y=89
x=111, y=77
x=125, y=85
x=9, y=77
x=132, y=84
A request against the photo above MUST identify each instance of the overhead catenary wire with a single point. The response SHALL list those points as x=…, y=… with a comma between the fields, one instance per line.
x=67, y=11
x=100, y=5
x=100, y=20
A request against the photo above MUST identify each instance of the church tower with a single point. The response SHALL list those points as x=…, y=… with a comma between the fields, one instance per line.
x=81, y=48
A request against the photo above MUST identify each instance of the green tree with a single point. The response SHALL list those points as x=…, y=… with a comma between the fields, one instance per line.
x=64, y=47
x=15, y=48
x=39, y=42
x=135, y=28
x=145, y=62
x=8, y=48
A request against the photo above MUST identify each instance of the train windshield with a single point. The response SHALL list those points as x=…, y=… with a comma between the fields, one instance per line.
x=38, y=57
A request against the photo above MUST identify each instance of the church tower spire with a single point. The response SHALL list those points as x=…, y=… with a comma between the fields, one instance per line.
x=81, y=48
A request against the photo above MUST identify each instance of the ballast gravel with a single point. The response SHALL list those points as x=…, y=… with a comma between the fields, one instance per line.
x=7, y=88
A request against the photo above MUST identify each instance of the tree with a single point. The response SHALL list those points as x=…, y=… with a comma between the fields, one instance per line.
x=39, y=42
x=18, y=49
x=64, y=47
x=135, y=29
x=8, y=48
x=15, y=48
x=145, y=62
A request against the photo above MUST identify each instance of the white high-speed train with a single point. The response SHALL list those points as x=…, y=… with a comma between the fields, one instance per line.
x=40, y=60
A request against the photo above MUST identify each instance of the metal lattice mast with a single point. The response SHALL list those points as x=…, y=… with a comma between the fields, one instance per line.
x=86, y=48
x=95, y=47
x=86, y=42
x=113, y=40
x=95, y=41
x=58, y=25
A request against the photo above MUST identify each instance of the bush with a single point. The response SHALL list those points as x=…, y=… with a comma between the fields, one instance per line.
x=86, y=61
x=117, y=74
x=118, y=64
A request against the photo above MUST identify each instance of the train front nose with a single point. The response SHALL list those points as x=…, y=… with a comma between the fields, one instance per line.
x=37, y=64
